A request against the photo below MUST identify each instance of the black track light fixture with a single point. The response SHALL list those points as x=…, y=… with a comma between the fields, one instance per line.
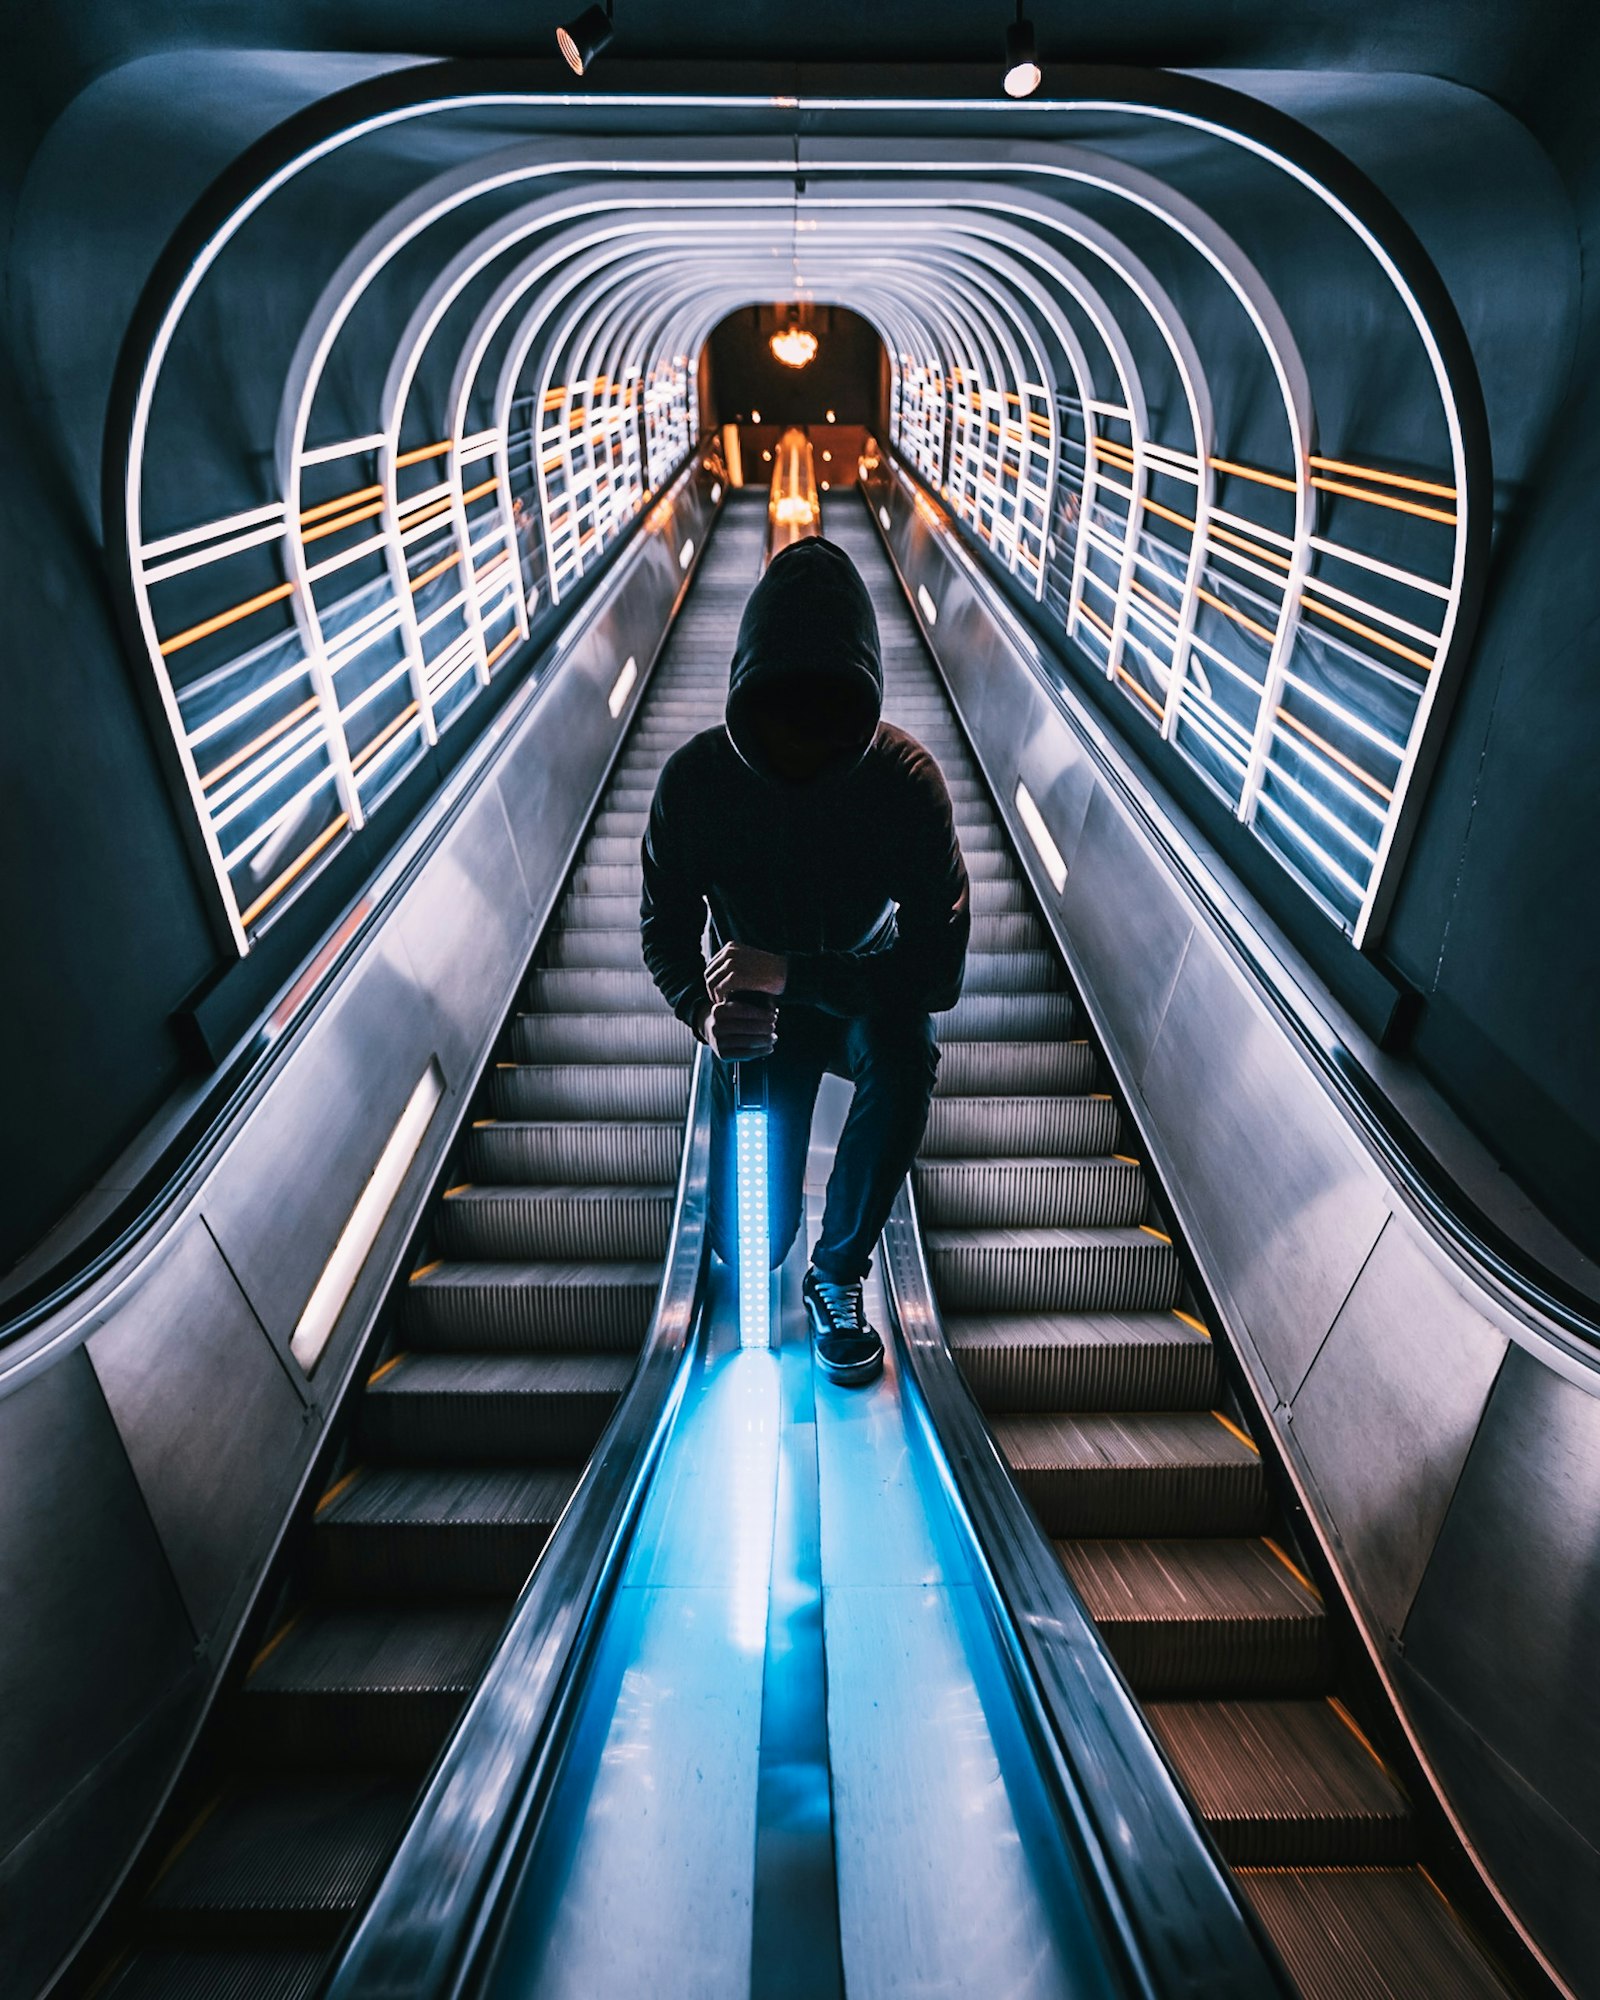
x=1022, y=73
x=582, y=40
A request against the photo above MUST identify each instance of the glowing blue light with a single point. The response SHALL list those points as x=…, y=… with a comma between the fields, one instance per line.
x=755, y=1273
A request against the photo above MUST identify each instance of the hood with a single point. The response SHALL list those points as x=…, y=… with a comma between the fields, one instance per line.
x=809, y=626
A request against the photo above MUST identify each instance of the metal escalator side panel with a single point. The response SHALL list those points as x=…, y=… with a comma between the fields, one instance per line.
x=440, y=1890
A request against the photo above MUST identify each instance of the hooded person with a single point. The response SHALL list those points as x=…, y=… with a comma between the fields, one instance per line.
x=822, y=842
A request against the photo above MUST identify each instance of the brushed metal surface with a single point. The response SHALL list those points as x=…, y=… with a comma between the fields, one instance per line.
x=96, y=1636
x=1519, y=1556
x=1388, y=1413
x=210, y=1418
x=279, y=1198
x=1130, y=927
x=1276, y=1200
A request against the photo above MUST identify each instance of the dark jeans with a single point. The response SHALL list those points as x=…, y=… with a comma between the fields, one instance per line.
x=892, y=1060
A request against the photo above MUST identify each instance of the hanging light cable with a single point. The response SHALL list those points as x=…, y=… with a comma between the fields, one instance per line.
x=583, y=40
x=1022, y=73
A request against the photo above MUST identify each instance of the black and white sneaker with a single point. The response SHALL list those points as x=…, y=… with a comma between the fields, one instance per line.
x=848, y=1350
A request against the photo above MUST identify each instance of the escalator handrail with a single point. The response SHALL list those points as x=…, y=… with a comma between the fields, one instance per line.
x=1472, y=1238
x=1166, y=1892
x=421, y=1933
x=161, y=1189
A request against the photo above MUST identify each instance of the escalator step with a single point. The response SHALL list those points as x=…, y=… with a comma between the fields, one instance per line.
x=1054, y=1270
x=1016, y=1069
x=1285, y=1783
x=1016, y=932
x=1171, y=1473
x=488, y=1409
x=575, y=1220
x=1013, y=972
x=1013, y=1127
x=618, y=947
x=1008, y=1017
x=1203, y=1617
x=363, y=1686
x=453, y=1531
x=180, y=1973
x=601, y=913
x=991, y=864
x=510, y=1150
x=614, y=879
x=655, y=1037
x=584, y=989
x=1039, y=1192
x=601, y=1091
x=993, y=898
x=288, y=1860
x=1368, y=1934
x=512, y=1308
x=1086, y=1361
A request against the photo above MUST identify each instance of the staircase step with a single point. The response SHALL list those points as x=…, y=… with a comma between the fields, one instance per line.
x=523, y=1308
x=994, y=898
x=491, y=1409
x=1017, y=1069
x=586, y=989
x=1380, y=1933
x=1015, y=1127
x=286, y=1860
x=600, y=1091
x=619, y=947
x=1008, y=1017
x=363, y=1686
x=1041, y=1191
x=1285, y=1783
x=190, y=1972
x=1013, y=972
x=1126, y=1473
x=1203, y=1617
x=1016, y=932
x=654, y=1037
x=511, y=1150
x=418, y=1531
x=1054, y=1270
x=572, y=1220
x=1085, y=1361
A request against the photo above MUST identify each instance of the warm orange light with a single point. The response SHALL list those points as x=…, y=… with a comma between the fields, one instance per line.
x=794, y=347
x=793, y=510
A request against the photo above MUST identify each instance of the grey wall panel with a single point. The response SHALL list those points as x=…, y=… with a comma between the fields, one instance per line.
x=1056, y=770
x=1267, y=1181
x=464, y=929
x=279, y=1199
x=1540, y=1860
x=211, y=1422
x=1388, y=1413
x=1506, y=1625
x=1130, y=926
x=95, y=1631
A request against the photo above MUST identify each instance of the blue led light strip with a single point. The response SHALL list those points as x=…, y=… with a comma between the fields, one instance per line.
x=750, y=1158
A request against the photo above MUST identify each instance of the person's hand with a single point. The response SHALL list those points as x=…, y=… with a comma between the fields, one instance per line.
x=740, y=968
x=736, y=1029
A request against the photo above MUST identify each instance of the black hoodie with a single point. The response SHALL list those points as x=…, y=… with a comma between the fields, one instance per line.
x=856, y=877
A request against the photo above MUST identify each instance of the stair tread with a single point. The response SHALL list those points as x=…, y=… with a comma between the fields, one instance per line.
x=190, y=1972
x=1185, y=1581
x=1116, y=1441
x=974, y=1332
x=449, y=1496
x=549, y=1374
x=295, y=1844
x=1382, y=1933
x=541, y=1275
x=1266, y=1760
x=605, y=1193
x=378, y=1650
x=956, y=1239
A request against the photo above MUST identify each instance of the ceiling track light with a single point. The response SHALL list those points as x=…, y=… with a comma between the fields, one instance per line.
x=1022, y=73
x=582, y=40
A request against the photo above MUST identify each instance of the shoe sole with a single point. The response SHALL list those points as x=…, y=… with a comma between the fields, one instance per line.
x=851, y=1374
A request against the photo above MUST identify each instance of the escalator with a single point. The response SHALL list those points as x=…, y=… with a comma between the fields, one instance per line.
x=509, y=1347
x=1066, y=1309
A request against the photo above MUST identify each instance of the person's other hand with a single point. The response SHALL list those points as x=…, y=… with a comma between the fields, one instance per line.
x=736, y=1029
x=740, y=968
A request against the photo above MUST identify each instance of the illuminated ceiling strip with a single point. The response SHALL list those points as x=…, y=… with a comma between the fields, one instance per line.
x=269, y=896
x=1336, y=755
x=209, y=778
x=224, y=619
x=251, y=518
x=213, y=553
x=1371, y=472
x=1399, y=506
x=1362, y=561
x=325, y=454
x=1427, y=661
x=327, y=507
